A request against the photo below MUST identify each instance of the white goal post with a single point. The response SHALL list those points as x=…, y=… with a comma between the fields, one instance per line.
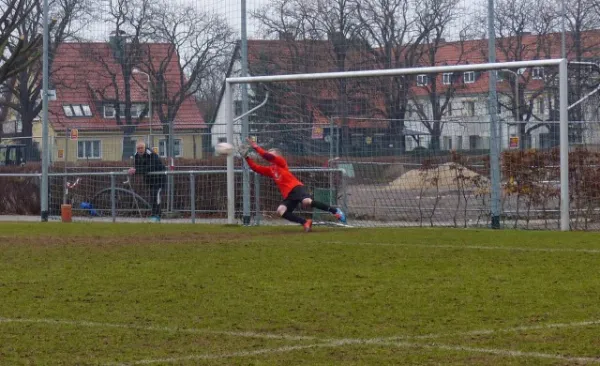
x=563, y=111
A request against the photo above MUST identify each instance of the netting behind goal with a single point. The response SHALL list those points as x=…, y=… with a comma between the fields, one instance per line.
x=416, y=146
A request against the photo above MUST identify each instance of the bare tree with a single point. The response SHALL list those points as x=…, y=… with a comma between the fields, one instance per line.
x=434, y=21
x=16, y=52
x=26, y=91
x=299, y=49
x=333, y=27
x=337, y=22
x=582, y=21
x=385, y=26
x=523, y=30
x=197, y=43
x=131, y=21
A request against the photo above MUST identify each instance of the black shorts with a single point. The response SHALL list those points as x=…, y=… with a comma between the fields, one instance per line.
x=295, y=197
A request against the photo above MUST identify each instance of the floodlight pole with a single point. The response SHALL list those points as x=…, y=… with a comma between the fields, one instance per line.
x=494, y=143
x=45, y=142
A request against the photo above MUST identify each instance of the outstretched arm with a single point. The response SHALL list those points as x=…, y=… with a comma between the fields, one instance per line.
x=262, y=170
x=277, y=160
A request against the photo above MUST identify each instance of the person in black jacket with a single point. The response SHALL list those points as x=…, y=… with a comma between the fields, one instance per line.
x=147, y=161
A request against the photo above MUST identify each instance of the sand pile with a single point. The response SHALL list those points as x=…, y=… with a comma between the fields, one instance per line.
x=446, y=177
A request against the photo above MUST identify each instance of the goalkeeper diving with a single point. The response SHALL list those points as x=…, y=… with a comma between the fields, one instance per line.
x=292, y=189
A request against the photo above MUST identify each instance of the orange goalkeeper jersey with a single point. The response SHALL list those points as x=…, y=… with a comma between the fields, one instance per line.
x=278, y=171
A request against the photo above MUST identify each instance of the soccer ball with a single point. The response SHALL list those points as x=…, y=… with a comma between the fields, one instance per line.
x=224, y=148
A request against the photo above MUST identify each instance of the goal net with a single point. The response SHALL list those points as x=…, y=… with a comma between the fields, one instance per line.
x=419, y=146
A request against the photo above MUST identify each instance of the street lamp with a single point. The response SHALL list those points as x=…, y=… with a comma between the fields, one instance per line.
x=138, y=71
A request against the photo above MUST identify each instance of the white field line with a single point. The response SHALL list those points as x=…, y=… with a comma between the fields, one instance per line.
x=474, y=247
x=385, y=341
x=339, y=343
x=289, y=337
x=80, y=323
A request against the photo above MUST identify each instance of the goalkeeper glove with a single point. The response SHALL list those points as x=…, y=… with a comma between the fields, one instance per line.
x=244, y=150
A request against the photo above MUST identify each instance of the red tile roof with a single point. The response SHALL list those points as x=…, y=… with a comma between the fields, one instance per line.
x=84, y=73
x=269, y=57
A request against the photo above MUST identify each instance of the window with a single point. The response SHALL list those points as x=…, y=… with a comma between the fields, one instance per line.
x=136, y=110
x=539, y=103
x=475, y=142
x=162, y=148
x=77, y=110
x=422, y=80
x=447, y=78
x=537, y=73
x=449, y=109
x=469, y=108
x=68, y=110
x=500, y=76
x=447, y=143
x=86, y=110
x=89, y=149
x=469, y=77
x=109, y=111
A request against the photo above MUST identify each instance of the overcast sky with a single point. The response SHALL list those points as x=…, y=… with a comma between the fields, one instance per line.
x=231, y=10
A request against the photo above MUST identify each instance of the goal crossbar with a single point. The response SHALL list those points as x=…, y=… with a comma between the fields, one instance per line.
x=561, y=63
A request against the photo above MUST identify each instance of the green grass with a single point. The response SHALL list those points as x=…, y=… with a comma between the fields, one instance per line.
x=96, y=294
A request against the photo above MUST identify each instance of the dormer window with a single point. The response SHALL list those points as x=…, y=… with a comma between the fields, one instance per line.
x=68, y=111
x=109, y=111
x=77, y=110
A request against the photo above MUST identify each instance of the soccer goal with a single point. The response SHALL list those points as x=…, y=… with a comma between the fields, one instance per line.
x=482, y=144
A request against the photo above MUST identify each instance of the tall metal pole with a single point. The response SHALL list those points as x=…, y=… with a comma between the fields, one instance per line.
x=228, y=103
x=564, y=146
x=45, y=144
x=493, y=103
x=563, y=11
x=151, y=139
x=245, y=170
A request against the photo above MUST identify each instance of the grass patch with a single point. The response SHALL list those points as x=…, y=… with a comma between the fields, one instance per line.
x=196, y=294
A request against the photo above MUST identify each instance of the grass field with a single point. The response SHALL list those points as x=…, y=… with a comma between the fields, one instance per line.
x=112, y=294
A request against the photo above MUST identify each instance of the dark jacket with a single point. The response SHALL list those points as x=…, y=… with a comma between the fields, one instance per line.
x=148, y=162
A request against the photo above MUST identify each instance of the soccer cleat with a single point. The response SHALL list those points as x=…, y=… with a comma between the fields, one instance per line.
x=340, y=216
x=154, y=219
x=307, y=225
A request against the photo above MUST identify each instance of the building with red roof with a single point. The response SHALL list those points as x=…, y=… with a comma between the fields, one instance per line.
x=463, y=121
x=89, y=87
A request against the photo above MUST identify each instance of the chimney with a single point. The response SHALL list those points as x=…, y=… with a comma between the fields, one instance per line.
x=117, y=40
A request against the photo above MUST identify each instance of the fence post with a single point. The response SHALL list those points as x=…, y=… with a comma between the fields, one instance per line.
x=193, y=197
x=257, y=215
x=344, y=195
x=113, y=203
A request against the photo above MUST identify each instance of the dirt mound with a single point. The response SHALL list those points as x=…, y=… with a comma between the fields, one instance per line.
x=446, y=175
